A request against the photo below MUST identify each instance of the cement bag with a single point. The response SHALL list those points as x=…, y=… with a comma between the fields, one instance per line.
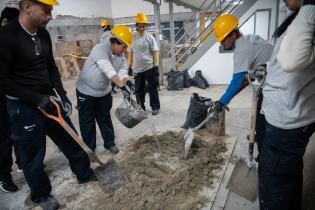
x=200, y=81
x=175, y=80
x=197, y=111
x=129, y=113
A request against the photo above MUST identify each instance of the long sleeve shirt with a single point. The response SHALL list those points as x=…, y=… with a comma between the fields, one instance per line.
x=27, y=66
x=100, y=66
x=289, y=92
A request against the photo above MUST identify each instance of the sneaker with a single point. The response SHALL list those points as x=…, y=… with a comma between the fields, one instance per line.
x=113, y=149
x=49, y=203
x=91, y=178
x=155, y=112
x=8, y=186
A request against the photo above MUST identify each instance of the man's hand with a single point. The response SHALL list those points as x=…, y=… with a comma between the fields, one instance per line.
x=156, y=70
x=125, y=92
x=131, y=86
x=46, y=104
x=216, y=109
x=67, y=105
x=130, y=71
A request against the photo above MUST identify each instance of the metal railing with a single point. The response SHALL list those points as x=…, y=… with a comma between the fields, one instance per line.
x=187, y=48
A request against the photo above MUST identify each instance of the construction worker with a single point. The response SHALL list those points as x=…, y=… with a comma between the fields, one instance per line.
x=289, y=109
x=144, y=61
x=94, y=90
x=106, y=27
x=250, y=52
x=27, y=77
x=6, y=184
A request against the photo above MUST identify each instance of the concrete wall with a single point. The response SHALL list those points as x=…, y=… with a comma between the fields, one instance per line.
x=216, y=67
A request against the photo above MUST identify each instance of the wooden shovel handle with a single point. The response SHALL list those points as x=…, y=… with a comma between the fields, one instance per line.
x=59, y=119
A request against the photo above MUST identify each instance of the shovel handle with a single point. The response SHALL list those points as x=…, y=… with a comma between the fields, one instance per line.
x=59, y=119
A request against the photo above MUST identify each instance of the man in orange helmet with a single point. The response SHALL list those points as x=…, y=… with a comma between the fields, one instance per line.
x=27, y=78
x=250, y=52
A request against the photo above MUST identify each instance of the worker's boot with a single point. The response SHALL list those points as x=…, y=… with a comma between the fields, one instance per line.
x=8, y=186
x=49, y=203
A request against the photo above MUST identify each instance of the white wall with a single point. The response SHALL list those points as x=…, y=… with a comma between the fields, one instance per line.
x=129, y=8
x=109, y=8
x=217, y=67
x=84, y=8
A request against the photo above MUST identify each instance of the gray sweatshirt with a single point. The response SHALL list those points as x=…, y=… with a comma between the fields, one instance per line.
x=289, y=91
x=99, y=68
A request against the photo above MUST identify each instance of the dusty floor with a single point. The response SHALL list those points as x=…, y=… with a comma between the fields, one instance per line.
x=172, y=115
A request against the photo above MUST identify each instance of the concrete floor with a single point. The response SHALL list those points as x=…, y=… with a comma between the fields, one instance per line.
x=174, y=106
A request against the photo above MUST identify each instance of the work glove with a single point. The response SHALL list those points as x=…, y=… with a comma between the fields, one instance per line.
x=131, y=86
x=155, y=69
x=46, y=104
x=214, y=112
x=305, y=2
x=130, y=71
x=125, y=92
x=66, y=105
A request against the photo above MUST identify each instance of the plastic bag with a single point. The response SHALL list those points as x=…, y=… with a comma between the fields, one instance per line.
x=200, y=81
x=175, y=80
x=197, y=111
x=187, y=80
x=129, y=113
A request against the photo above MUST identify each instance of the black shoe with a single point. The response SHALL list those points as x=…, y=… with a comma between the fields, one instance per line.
x=8, y=186
x=49, y=203
x=155, y=111
x=113, y=149
x=91, y=178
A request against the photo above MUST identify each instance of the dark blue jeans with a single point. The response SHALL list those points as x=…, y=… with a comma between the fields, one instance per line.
x=280, y=167
x=29, y=128
x=151, y=77
x=91, y=109
x=5, y=142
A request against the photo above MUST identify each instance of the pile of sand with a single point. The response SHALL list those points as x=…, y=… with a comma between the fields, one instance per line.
x=159, y=178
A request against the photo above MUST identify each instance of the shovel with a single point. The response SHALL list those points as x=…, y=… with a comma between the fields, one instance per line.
x=189, y=135
x=109, y=175
x=244, y=179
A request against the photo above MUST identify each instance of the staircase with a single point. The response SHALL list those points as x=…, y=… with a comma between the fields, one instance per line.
x=201, y=38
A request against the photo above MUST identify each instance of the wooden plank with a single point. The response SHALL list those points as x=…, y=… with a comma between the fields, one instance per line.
x=219, y=127
x=223, y=192
x=76, y=66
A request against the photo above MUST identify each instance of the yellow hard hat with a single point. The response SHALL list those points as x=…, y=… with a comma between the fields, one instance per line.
x=104, y=23
x=224, y=25
x=123, y=33
x=49, y=2
x=141, y=18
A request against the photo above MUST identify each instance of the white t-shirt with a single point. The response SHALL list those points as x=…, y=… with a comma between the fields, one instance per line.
x=251, y=51
x=142, y=49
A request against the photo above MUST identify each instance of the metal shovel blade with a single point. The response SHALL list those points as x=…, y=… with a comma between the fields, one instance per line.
x=110, y=176
x=188, y=138
x=244, y=181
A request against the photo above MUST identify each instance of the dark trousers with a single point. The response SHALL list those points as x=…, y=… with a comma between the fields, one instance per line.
x=6, y=145
x=280, y=167
x=151, y=77
x=260, y=125
x=29, y=128
x=91, y=109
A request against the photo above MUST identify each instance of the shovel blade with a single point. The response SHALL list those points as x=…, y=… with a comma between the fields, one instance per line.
x=188, y=138
x=110, y=177
x=244, y=181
